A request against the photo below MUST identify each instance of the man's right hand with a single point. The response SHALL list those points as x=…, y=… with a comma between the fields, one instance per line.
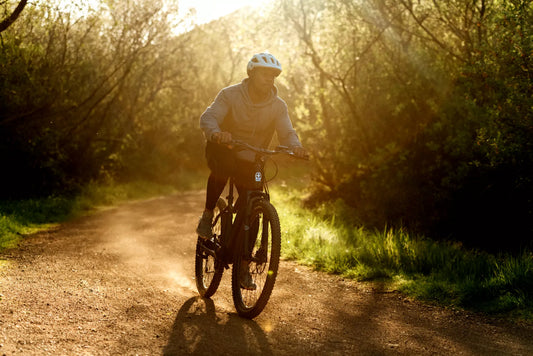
x=221, y=137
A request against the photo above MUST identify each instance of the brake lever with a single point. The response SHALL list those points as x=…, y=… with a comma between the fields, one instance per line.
x=289, y=151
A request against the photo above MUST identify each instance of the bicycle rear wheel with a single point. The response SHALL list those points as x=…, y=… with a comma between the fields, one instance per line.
x=208, y=268
x=261, y=260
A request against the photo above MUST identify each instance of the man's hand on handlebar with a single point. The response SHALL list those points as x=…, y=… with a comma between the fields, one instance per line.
x=300, y=152
x=221, y=137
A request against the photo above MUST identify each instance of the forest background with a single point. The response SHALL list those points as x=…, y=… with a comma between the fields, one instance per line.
x=418, y=113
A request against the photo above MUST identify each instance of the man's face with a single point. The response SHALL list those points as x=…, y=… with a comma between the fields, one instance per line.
x=263, y=78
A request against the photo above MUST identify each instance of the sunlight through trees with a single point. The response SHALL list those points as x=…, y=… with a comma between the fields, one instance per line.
x=418, y=113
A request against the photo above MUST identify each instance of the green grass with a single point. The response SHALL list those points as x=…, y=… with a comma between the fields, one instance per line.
x=440, y=272
x=22, y=217
x=18, y=218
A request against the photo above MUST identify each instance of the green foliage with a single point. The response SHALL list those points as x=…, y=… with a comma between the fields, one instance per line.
x=435, y=271
x=88, y=98
x=24, y=217
x=429, y=105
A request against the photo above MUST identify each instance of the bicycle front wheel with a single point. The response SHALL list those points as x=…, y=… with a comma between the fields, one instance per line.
x=208, y=268
x=256, y=262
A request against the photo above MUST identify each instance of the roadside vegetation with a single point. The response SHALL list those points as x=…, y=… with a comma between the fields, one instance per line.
x=442, y=272
x=25, y=216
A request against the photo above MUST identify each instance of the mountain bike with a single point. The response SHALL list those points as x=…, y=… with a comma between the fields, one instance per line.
x=246, y=235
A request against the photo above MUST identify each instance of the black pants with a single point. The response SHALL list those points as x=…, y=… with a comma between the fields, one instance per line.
x=223, y=164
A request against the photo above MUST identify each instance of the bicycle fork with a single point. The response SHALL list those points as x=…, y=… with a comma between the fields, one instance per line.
x=251, y=230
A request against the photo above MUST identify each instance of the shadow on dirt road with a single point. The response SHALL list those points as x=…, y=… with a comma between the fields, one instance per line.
x=199, y=330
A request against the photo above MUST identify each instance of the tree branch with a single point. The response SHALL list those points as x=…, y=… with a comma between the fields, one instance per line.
x=433, y=38
x=9, y=21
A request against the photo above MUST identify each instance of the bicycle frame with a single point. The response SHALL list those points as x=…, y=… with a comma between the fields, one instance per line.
x=232, y=227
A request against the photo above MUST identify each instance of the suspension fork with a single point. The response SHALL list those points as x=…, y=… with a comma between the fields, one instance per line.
x=249, y=240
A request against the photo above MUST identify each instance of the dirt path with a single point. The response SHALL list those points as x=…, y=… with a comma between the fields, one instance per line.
x=120, y=282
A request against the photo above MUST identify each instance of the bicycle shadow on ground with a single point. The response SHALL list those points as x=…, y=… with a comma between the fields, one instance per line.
x=200, y=330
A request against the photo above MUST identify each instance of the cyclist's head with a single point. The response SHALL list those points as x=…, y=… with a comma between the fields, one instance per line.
x=263, y=60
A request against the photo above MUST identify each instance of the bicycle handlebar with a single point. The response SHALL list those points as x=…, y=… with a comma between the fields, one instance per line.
x=280, y=149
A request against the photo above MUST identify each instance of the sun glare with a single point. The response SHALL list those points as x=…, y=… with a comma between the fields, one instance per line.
x=208, y=10
x=202, y=11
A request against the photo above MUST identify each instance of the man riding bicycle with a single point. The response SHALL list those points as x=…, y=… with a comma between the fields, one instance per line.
x=250, y=111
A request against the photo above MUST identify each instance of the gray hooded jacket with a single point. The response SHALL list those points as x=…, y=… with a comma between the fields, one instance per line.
x=233, y=112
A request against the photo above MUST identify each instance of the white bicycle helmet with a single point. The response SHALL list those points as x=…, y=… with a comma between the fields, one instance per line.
x=263, y=60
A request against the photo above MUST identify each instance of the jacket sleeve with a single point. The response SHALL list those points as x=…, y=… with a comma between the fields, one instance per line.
x=286, y=134
x=214, y=115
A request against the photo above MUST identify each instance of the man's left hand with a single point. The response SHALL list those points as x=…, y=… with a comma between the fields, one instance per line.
x=300, y=152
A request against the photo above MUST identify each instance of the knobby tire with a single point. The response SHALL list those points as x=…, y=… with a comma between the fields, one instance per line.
x=209, y=270
x=264, y=269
